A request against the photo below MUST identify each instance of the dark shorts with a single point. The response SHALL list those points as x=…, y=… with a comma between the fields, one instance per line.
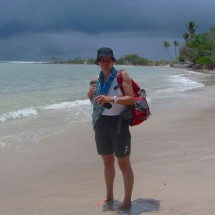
x=107, y=139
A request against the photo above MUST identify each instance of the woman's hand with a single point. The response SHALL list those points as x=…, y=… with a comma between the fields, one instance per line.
x=91, y=92
x=104, y=99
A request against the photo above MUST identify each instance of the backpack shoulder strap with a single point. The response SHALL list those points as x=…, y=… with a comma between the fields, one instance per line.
x=135, y=86
x=119, y=79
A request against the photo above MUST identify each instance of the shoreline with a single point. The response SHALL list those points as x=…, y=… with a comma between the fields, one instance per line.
x=189, y=67
x=172, y=156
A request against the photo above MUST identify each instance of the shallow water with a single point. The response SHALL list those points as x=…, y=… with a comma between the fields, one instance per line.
x=39, y=100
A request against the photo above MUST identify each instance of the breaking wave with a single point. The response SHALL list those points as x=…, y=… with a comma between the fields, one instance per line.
x=180, y=84
x=24, y=113
x=34, y=111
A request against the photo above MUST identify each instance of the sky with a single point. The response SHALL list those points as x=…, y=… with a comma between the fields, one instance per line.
x=36, y=30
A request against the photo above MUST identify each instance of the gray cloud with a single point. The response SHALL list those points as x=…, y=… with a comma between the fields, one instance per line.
x=39, y=29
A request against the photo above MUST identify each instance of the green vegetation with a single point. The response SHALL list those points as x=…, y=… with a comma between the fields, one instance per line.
x=76, y=60
x=176, y=44
x=134, y=59
x=198, y=49
x=166, y=46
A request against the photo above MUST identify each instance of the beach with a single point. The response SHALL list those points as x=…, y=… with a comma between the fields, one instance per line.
x=173, y=157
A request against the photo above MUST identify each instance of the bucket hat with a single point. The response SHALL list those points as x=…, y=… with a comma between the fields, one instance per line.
x=104, y=52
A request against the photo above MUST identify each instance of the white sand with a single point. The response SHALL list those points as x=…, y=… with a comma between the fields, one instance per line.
x=173, y=157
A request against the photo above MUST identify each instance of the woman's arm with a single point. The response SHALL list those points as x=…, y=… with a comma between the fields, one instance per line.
x=128, y=98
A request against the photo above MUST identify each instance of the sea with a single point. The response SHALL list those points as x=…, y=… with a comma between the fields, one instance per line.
x=38, y=100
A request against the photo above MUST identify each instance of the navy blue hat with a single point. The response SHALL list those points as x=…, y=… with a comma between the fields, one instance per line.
x=104, y=52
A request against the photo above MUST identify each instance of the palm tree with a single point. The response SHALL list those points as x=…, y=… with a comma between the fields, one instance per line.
x=176, y=43
x=186, y=37
x=166, y=45
x=191, y=27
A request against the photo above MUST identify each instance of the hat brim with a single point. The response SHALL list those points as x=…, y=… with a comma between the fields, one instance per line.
x=97, y=60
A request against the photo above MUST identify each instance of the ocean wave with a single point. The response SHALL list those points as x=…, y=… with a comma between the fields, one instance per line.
x=65, y=105
x=24, y=113
x=180, y=84
x=34, y=111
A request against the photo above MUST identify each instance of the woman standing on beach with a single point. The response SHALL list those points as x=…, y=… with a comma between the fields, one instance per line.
x=108, y=102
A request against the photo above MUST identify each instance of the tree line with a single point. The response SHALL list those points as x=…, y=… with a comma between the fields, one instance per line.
x=129, y=59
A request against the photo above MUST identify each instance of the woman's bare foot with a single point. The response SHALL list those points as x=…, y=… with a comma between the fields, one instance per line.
x=125, y=206
x=104, y=202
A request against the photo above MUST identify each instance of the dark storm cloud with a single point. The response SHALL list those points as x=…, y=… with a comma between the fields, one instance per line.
x=12, y=28
x=84, y=16
x=54, y=21
x=97, y=16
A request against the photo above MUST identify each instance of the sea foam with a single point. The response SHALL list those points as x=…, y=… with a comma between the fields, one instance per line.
x=65, y=105
x=180, y=84
x=29, y=112
x=24, y=113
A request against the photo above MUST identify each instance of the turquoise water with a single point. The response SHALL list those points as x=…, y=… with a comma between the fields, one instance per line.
x=37, y=100
x=27, y=89
x=33, y=85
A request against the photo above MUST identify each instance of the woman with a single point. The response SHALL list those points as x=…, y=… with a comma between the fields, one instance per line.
x=108, y=102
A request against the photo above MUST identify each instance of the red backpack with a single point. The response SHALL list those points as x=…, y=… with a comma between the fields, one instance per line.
x=140, y=110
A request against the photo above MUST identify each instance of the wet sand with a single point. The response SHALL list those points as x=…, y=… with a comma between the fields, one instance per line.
x=173, y=158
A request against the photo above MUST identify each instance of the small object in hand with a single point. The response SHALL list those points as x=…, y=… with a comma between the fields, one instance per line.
x=92, y=82
x=107, y=105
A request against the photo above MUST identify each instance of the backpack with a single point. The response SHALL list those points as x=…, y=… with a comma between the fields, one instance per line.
x=140, y=109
